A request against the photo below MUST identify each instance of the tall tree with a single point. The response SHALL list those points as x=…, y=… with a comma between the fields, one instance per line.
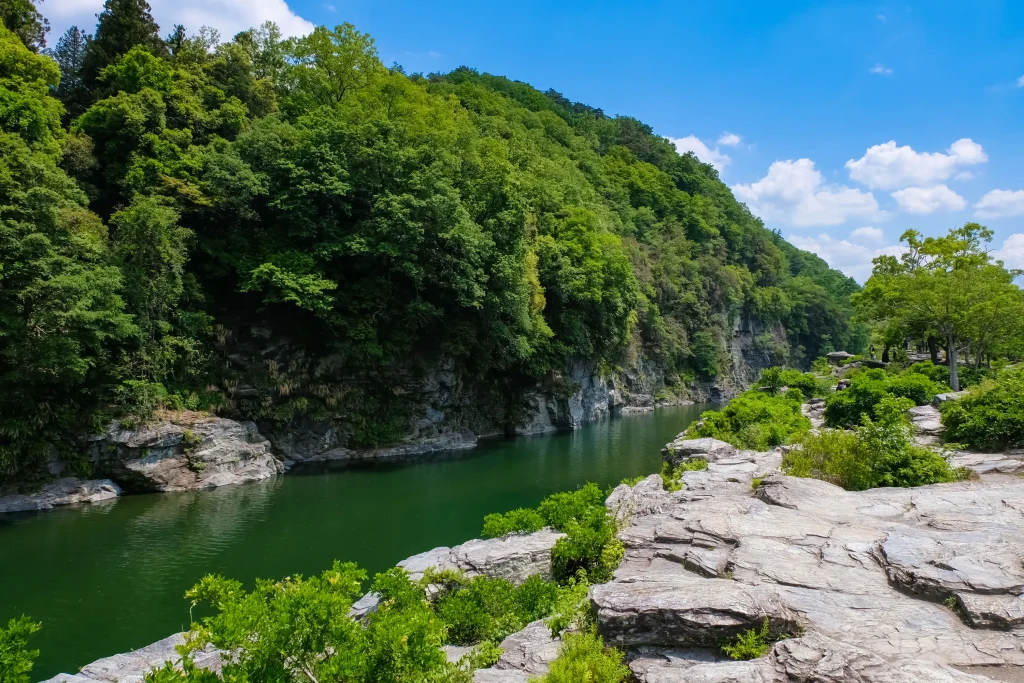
x=70, y=55
x=123, y=24
x=949, y=287
x=23, y=20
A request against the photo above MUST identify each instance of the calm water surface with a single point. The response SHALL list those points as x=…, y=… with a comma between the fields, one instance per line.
x=111, y=577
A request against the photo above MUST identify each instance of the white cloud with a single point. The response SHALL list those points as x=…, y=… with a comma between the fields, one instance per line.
x=794, y=192
x=728, y=139
x=842, y=254
x=691, y=143
x=867, y=234
x=1012, y=251
x=1001, y=204
x=964, y=175
x=1020, y=82
x=881, y=69
x=925, y=200
x=227, y=16
x=889, y=167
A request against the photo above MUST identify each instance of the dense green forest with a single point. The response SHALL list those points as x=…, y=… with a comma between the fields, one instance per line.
x=156, y=193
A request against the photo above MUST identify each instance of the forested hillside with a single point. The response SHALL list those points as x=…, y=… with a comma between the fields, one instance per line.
x=157, y=195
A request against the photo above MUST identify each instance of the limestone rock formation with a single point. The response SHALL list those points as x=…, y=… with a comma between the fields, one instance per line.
x=131, y=667
x=515, y=557
x=66, y=491
x=531, y=650
x=184, y=451
x=884, y=585
x=684, y=449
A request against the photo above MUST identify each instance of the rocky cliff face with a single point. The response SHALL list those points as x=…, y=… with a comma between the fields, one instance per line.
x=449, y=411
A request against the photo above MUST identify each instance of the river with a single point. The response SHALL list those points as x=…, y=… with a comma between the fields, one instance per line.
x=111, y=577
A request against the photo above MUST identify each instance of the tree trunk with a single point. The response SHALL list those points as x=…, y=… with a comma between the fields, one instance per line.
x=954, y=376
x=933, y=349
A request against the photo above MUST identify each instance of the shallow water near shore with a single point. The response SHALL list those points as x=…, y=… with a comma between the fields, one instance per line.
x=111, y=577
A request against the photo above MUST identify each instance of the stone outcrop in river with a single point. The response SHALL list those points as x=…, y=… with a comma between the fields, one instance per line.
x=183, y=451
x=66, y=491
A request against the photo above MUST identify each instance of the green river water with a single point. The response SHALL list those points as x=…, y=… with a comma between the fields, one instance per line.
x=111, y=577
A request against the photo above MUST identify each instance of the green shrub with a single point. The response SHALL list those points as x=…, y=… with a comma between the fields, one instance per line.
x=583, y=657
x=628, y=481
x=869, y=387
x=16, y=660
x=990, y=417
x=771, y=379
x=918, y=388
x=940, y=374
x=755, y=420
x=520, y=521
x=936, y=373
x=809, y=384
x=298, y=629
x=878, y=453
x=590, y=544
x=488, y=609
x=749, y=644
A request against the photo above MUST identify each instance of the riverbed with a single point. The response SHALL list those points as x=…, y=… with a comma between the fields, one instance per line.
x=110, y=577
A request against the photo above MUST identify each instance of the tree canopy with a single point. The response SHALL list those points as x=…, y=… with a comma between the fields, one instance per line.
x=388, y=222
x=951, y=288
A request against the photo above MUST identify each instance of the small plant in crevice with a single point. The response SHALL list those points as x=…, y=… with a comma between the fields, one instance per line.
x=954, y=605
x=750, y=644
x=584, y=657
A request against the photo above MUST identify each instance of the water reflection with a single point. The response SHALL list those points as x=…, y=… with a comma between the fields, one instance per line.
x=108, y=578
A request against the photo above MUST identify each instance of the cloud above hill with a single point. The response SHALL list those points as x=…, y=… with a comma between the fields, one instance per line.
x=227, y=16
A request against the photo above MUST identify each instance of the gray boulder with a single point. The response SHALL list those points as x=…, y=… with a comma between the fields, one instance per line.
x=184, y=451
x=515, y=557
x=531, y=650
x=684, y=449
x=687, y=612
x=67, y=491
x=131, y=667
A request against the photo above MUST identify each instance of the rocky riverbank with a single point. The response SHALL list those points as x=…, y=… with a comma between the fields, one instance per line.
x=921, y=585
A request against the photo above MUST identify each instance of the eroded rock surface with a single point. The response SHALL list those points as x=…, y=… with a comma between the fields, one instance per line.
x=884, y=585
x=515, y=557
x=66, y=491
x=684, y=449
x=184, y=452
x=131, y=667
x=927, y=424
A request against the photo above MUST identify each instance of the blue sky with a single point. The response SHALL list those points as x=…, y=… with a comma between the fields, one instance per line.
x=850, y=122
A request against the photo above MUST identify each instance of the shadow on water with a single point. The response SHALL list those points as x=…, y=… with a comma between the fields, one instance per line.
x=107, y=578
